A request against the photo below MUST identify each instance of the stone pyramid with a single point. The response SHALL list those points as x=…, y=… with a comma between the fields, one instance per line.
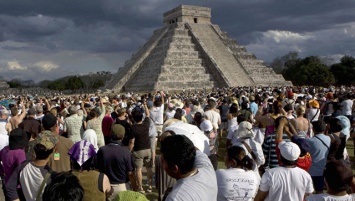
x=189, y=52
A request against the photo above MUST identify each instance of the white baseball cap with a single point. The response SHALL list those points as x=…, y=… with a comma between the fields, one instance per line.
x=206, y=125
x=289, y=150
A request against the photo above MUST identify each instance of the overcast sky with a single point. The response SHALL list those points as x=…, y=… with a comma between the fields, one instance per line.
x=49, y=39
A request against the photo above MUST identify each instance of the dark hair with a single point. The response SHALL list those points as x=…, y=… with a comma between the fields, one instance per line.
x=276, y=106
x=287, y=162
x=14, y=111
x=238, y=154
x=42, y=152
x=241, y=118
x=198, y=117
x=244, y=105
x=319, y=126
x=277, y=121
x=87, y=165
x=288, y=107
x=180, y=151
x=158, y=102
x=334, y=125
x=178, y=114
x=233, y=109
x=338, y=175
x=93, y=113
x=64, y=187
x=137, y=115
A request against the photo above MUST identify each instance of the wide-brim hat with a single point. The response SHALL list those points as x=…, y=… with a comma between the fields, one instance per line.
x=345, y=124
x=245, y=130
x=314, y=103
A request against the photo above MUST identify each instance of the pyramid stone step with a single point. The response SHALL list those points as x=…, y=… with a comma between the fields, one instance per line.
x=182, y=62
x=175, y=70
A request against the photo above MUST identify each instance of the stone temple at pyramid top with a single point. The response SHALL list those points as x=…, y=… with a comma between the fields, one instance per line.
x=189, y=52
x=188, y=14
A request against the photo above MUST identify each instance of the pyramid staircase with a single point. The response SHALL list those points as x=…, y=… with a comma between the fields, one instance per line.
x=173, y=64
x=256, y=69
x=190, y=52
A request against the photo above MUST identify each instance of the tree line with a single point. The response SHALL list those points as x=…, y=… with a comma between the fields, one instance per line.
x=88, y=82
x=314, y=70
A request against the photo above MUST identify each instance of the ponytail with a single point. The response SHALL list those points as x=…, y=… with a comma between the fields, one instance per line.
x=238, y=154
x=247, y=163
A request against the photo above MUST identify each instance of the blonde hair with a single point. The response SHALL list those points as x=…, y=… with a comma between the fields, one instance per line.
x=54, y=111
x=300, y=110
x=121, y=111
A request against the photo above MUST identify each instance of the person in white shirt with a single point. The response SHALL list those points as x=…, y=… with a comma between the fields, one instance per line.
x=157, y=112
x=346, y=106
x=169, y=114
x=5, y=126
x=338, y=177
x=238, y=181
x=286, y=182
x=212, y=115
x=193, y=171
x=246, y=140
x=313, y=111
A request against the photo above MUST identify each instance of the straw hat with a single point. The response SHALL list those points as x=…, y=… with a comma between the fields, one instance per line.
x=314, y=103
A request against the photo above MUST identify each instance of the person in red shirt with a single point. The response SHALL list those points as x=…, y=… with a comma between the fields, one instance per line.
x=107, y=122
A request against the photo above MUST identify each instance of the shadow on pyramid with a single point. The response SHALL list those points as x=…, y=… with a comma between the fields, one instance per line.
x=189, y=52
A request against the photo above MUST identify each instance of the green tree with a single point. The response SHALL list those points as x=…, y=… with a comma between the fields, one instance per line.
x=56, y=85
x=98, y=83
x=344, y=71
x=14, y=83
x=74, y=83
x=308, y=71
x=44, y=83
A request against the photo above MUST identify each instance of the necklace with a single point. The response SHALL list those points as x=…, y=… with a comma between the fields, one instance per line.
x=194, y=173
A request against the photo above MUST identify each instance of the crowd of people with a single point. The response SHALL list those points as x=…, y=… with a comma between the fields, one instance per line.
x=282, y=143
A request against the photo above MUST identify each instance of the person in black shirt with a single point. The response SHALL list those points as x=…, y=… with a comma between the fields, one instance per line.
x=141, y=149
x=116, y=162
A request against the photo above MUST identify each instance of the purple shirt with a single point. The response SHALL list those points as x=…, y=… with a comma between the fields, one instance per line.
x=10, y=160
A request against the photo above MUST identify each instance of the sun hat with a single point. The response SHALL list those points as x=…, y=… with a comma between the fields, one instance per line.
x=289, y=150
x=245, y=130
x=314, y=103
x=345, y=124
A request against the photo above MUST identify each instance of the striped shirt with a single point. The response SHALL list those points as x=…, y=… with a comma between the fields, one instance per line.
x=269, y=149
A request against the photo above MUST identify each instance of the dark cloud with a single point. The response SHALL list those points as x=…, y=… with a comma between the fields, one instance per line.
x=105, y=28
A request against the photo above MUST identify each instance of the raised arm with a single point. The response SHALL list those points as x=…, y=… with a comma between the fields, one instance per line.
x=103, y=110
x=162, y=97
x=83, y=108
x=146, y=111
x=261, y=118
x=23, y=110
